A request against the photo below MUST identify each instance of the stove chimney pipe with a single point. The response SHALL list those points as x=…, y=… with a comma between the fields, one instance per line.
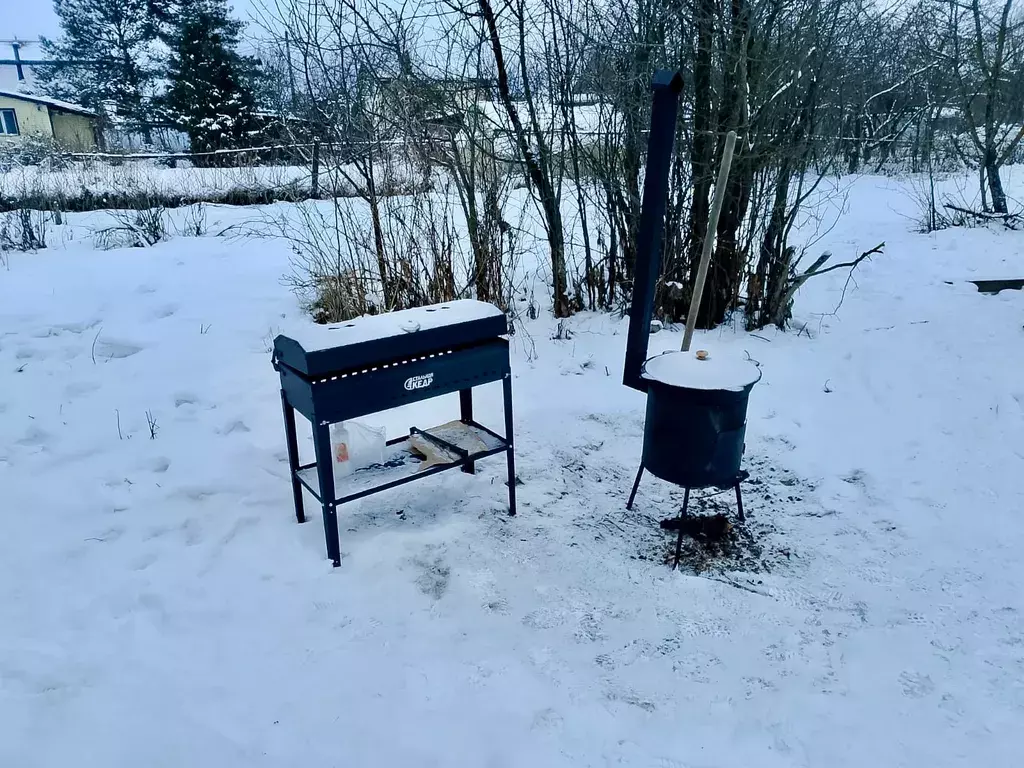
x=666, y=86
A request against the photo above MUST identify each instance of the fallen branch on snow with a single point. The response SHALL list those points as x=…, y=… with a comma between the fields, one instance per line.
x=984, y=215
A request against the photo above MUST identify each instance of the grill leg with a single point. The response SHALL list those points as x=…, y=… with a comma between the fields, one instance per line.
x=679, y=538
x=325, y=471
x=507, y=387
x=739, y=502
x=636, y=484
x=293, y=456
x=466, y=409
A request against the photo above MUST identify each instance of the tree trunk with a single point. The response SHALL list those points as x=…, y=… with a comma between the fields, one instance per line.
x=727, y=266
x=995, y=184
x=769, y=285
x=378, y=235
x=729, y=260
x=702, y=150
x=538, y=174
x=477, y=241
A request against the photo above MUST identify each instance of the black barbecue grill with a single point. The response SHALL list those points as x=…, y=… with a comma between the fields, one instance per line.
x=343, y=371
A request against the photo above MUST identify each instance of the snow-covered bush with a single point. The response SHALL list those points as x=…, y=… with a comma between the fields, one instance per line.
x=33, y=150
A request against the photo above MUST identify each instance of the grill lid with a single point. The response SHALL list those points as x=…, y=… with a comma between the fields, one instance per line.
x=319, y=349
x=702, y=369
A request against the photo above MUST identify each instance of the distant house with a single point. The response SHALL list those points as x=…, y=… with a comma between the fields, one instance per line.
x=426, y=103
x=73, y=127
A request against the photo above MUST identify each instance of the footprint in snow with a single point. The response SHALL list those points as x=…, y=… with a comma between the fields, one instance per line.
x=78, y=388
x=240, y=525
x=916, y=685
x=234, y=426
x=546, y=720
x=79, y=327
x=631, y=698
x=434, y=577
x=197, y=494
x=192, y=532
x=144, y=561
x=544, y=618
x=856, y=477
x=588, y=630
x=34, y=437
x=114, y=349
x=109, y=535
x=160, y=464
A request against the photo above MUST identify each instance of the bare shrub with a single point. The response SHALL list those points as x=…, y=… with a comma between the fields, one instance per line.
x=947, y=202
x=931, y=216
x=140, y=228
x=23, y=230
x=349, y=261
x=331, y=265
x=33, y=150
x=195, y=222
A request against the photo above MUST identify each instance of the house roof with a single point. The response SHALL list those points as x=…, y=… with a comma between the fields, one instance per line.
x=63, y=106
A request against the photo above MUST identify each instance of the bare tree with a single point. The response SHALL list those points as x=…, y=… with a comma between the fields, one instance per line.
x=531, y=138
x=984, y=48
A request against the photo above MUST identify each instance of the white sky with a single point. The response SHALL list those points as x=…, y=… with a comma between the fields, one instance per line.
x=30, y=19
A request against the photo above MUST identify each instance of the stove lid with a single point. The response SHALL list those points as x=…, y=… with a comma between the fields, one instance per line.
x=703, y=369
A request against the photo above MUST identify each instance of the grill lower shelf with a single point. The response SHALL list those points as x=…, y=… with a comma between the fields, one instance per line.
x=401, y=464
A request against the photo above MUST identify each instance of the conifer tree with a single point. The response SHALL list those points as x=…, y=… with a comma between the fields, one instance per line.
x=105, y=47
x=209, y=93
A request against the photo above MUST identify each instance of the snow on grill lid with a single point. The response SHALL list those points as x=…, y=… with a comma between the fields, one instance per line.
x=376, y=327
x=721, y=370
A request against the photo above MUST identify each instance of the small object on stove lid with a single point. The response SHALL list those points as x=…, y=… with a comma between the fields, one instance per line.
x=723, y=370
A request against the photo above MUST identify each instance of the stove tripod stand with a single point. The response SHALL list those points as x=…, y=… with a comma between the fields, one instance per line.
x=678, y=523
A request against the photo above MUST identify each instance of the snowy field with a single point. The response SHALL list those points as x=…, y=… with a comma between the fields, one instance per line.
x=160, y=607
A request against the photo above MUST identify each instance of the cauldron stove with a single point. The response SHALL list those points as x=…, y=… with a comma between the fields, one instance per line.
x=696, y=401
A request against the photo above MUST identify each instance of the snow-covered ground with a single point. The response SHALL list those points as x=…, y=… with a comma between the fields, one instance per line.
x=160, y=607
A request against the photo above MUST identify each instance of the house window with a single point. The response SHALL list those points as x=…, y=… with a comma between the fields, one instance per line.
x=8, y=123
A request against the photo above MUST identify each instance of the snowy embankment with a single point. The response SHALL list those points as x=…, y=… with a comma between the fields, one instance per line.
x=160, y=607
x=99, y=179
x=94, y=185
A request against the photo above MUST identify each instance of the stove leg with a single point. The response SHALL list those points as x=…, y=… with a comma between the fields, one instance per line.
x=679, y=538
x=511, y=455
x=636, y=484
x=739, y=502
x=325, y=471
x=293, y=456
x=466, y=411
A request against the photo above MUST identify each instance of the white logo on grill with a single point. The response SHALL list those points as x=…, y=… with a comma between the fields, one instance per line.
x=419, y=382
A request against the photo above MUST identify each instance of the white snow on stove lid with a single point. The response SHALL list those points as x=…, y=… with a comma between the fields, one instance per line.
x=721, y=370
x=374, y=327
